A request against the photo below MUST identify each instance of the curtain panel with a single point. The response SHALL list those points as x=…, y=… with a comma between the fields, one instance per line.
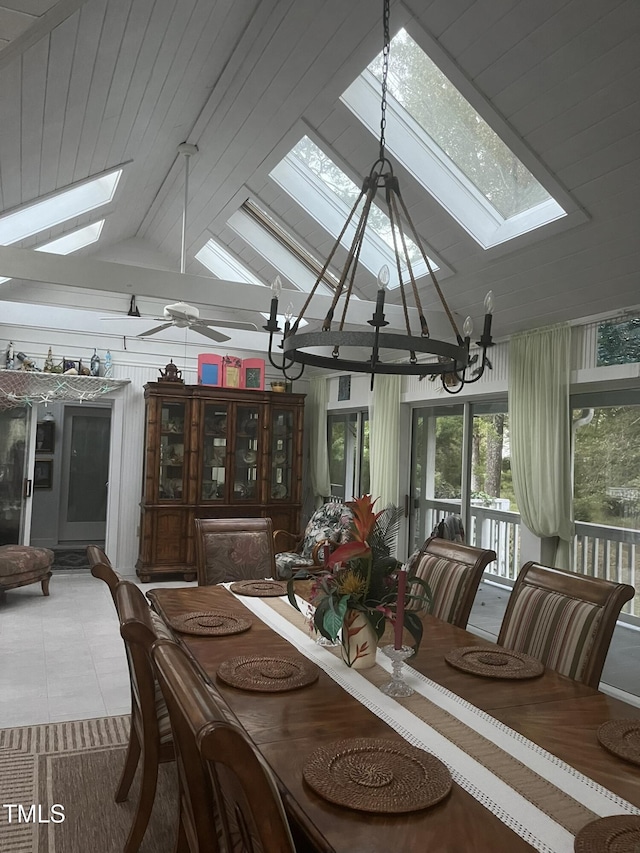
x=384, y=439
x=540, y=433
x=318, y=449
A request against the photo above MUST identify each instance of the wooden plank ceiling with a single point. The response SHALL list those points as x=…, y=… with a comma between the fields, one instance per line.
x=107, y=82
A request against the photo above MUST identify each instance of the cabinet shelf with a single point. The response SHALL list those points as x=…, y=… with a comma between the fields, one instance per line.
x=213, y=479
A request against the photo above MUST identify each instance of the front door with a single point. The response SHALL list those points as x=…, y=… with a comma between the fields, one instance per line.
x=85, y=471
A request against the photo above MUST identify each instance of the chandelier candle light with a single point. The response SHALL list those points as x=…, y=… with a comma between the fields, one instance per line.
x=450, y=359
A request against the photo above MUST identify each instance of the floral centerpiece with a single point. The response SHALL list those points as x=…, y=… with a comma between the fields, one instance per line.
x=359, y=587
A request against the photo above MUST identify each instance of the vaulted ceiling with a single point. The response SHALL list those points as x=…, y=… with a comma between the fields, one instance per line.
x=87, y=86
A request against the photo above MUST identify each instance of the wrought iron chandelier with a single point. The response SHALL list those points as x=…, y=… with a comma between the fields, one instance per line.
x=452, y=358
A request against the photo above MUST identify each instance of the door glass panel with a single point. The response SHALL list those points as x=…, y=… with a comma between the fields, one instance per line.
x=88, y=469
x=436, y=469
x=13, y=439
x=494, y=518
x=245, y=481
x=348, y=436
x=281, y=453
x=214, y=452
x=172, y=451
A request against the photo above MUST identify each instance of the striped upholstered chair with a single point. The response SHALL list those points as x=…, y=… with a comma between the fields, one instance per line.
x=563, y=619
x=453, y=572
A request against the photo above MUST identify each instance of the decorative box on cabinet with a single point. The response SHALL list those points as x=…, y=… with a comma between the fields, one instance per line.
x=215, y=453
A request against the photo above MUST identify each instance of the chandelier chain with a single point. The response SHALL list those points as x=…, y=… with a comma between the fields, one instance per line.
x=385, y=71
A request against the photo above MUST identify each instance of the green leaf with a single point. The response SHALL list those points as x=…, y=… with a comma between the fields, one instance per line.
x=413, y=624
x=333, y=617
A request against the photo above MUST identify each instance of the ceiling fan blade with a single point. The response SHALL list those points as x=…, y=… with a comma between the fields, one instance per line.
x=209, y=333
x=229, y=324
x=154, y=330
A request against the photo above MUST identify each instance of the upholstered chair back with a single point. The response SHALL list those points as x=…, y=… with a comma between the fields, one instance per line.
x=453, y=572
x=563, y=619
x=233, y=549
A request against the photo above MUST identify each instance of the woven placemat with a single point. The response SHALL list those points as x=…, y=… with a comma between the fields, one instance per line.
x=262, y=589
x=377, y=775
x=622, y=737
x=616, y=834
x=210, y=623
x=268, y=674
x=494, y=662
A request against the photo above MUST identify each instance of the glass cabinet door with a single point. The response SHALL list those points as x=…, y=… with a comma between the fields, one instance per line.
x=172, y=462
x=214, y=452
x=281, y=453
x=247, y=453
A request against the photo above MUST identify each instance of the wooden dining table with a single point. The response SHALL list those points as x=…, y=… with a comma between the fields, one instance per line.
x=560, y=715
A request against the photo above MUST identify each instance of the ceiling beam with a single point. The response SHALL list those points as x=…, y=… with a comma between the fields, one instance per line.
x=113, y=277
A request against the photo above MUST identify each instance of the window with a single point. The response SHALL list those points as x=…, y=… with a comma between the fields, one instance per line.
x=328, y=194
x=263, y=241
x=449, y=148
x=619, y=341
x=440, y=445
x=226, y=266
x=71, y=242
x=606, y=491
x=219, y=260
x=68, y=204
x=348, y=437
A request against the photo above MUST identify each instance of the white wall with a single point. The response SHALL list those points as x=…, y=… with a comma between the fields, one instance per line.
x=138, y=361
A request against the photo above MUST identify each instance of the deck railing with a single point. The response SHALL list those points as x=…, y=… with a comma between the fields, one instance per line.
x=600, y=551
x=612, y=553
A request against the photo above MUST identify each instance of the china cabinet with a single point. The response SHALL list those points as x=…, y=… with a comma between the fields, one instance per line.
x=215, y=453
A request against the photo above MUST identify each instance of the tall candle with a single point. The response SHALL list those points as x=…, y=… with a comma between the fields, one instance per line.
x=399, y=623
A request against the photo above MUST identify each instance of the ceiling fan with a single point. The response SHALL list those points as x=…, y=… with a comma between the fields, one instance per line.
x=185, y=316
x=180, y=314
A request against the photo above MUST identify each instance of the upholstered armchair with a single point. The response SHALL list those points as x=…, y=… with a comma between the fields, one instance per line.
x=329, y=524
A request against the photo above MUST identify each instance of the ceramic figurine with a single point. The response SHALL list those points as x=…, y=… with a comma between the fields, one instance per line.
x=48, y=362
x=95, y=363
x=108, y=365
x=9, y=357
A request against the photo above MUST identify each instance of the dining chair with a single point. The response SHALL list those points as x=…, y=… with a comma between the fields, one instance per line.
x=102, y=569
x=150, y=735
x=329, y=525
x=453, y=572
x=234, y=549
x=563, y=619
x=229, y=798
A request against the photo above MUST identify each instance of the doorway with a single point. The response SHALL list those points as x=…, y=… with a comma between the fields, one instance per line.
x=85, y=472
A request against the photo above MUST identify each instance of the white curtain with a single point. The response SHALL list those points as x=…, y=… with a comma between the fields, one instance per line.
x=540, y=434
x=318, y=450
x=384, y=439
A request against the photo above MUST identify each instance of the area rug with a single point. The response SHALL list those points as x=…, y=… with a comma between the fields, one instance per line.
x=70, y=558
x=76, y=765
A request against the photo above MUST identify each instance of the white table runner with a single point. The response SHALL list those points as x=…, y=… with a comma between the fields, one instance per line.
x=530, y=822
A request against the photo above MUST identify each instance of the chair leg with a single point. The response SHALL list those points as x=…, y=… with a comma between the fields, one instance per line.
x=145, y=803
x=182, y=844
x=44, y=583
x=130, y=764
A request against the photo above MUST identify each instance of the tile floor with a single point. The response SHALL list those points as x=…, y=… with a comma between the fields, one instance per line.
x=61, y=658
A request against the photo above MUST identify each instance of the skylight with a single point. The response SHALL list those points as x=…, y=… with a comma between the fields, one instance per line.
x=262, y=240
x=327, y=193
x=450, y=149
x=72, y=242
x=224, y=265
x=68, y=204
